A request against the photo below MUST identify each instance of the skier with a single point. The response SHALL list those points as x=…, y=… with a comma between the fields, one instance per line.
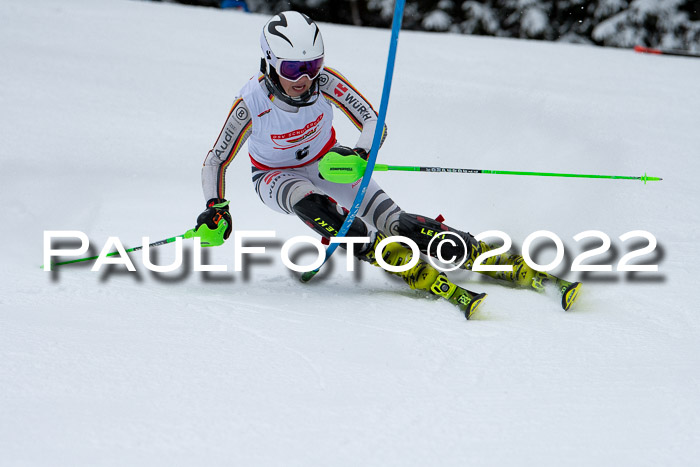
x=285, y=114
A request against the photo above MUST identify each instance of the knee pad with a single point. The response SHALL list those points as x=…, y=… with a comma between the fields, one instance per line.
x=322, y=213
x=422, y=230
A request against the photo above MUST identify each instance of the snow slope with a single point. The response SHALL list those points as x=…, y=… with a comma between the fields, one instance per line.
x=108, y=109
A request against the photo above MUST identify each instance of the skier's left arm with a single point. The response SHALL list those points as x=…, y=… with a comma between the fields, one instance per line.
x=340, y=92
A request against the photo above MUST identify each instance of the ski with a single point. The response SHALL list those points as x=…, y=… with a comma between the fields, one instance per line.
x=466, y=300
x=569, y=293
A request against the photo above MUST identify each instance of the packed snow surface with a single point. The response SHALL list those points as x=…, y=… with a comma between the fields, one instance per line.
x=108, y=109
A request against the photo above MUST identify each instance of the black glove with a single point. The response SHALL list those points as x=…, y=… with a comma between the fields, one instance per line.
x=362, y=153
x=217, y=209
x=346, y=151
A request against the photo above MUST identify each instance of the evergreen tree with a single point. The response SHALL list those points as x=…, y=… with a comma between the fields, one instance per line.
x=480, y=18
x=657, y=23
x=620, y=23
x=573, y=20
x=526, y=18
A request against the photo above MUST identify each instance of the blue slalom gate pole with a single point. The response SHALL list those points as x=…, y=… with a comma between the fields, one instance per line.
x=388, y=77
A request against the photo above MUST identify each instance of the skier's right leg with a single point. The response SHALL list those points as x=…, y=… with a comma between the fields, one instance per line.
x=296, y=192
x=325, y=216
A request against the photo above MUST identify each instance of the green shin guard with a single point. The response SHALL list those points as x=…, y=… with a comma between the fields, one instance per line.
x=524, y=276
x=425, y=277
x=520, y=274
x=423, y=230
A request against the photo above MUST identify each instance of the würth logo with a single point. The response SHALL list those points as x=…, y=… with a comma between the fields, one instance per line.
x=340, y=90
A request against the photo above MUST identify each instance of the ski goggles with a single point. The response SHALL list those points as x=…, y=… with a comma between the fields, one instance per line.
x=293, y=70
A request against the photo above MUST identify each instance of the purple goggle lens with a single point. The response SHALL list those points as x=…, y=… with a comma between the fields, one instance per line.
x=294, y=70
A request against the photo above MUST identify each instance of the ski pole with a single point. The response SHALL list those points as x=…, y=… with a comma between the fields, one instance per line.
x=158, y=243
x=348, y=169
x=677, y=53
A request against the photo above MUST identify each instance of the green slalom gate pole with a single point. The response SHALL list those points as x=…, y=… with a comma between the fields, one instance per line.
x=348, y=169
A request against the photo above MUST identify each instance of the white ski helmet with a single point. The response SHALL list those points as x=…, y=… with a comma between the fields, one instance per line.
x=292, y=47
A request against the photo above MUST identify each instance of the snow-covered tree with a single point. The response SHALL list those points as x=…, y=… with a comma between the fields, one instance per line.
x=526, y=18
x=621, y=23
x=441, y=18
x=662, y=23
x=480, y=18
